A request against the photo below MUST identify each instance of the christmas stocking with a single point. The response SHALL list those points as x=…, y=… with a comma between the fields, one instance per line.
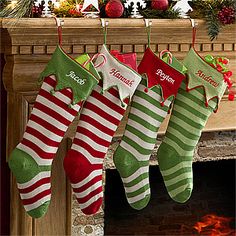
x=149, y=107
x=197, y=98
x=65, y=85
x=100, y=116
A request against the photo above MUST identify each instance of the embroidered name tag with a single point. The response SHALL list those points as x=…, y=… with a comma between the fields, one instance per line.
x=208, y=79
x=164, y=76
x=76, y=78
x=120, y=77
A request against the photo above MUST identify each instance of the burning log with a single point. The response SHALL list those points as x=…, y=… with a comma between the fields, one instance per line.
x=214, y=225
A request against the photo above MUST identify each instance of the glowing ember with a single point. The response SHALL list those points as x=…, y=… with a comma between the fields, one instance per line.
x=214, y=225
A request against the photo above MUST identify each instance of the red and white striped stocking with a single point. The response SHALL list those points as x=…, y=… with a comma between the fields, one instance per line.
x=100, y=116
x=58, y=102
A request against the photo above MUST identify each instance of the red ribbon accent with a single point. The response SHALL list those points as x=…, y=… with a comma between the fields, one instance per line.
x=229, y=83
x=128, y=59
x=117, y=54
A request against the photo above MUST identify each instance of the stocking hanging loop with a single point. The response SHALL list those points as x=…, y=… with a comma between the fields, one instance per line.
x=194, y=30
x=104, y=27
x=148, y=24
x=59, y=24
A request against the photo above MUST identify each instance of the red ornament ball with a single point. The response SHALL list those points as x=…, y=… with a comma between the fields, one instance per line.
x=160, y=4
x=114, y=9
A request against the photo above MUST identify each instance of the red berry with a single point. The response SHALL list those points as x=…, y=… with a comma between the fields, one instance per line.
x=74, y=12
x=227, y=15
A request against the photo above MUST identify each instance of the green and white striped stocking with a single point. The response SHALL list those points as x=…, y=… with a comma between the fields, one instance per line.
x=148, y=110
x=132, y=156
x=197, y=98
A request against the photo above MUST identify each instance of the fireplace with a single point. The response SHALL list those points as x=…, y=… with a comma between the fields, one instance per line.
x=213, y=197
x=27, y=53
x=213, y=194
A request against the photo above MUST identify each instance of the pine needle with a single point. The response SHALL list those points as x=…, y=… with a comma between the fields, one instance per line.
x=170, y=13
x=209, y=10
x=21, y=9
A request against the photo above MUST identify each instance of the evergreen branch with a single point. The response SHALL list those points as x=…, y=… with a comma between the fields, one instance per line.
x=212, y=21
x=209, y=10
x=22, y=8
x=213, y=28
x=170, y=13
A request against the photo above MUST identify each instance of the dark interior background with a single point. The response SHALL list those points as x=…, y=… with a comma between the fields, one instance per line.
x=214, y=193
x=4, y=170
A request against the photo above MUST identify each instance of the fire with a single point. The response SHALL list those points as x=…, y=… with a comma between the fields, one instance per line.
x=214, y=225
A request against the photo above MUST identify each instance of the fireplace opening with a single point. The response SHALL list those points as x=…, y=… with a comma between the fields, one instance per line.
x=213, y=198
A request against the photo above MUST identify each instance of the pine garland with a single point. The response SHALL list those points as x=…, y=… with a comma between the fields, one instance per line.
x=170, y=13
x=213, y=24
x=213, y=11
x=67, y=9
x=21, y=9
x=3, y=4
x=209, y=11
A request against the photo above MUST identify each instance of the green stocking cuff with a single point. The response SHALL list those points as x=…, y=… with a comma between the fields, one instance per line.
x=70, y=74
x=201, y=74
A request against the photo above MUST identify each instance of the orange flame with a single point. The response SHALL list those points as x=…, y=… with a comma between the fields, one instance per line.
x=214, y=225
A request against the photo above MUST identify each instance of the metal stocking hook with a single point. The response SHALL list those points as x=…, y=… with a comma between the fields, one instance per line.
x=59, y=22
x=104, y=23
x=148, y=22
x=193, y=23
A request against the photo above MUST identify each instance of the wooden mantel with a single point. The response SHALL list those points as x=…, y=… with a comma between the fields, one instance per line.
x=28, y=45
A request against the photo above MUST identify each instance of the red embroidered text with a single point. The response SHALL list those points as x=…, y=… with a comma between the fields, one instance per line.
x=117, y=74
x=209, y=79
